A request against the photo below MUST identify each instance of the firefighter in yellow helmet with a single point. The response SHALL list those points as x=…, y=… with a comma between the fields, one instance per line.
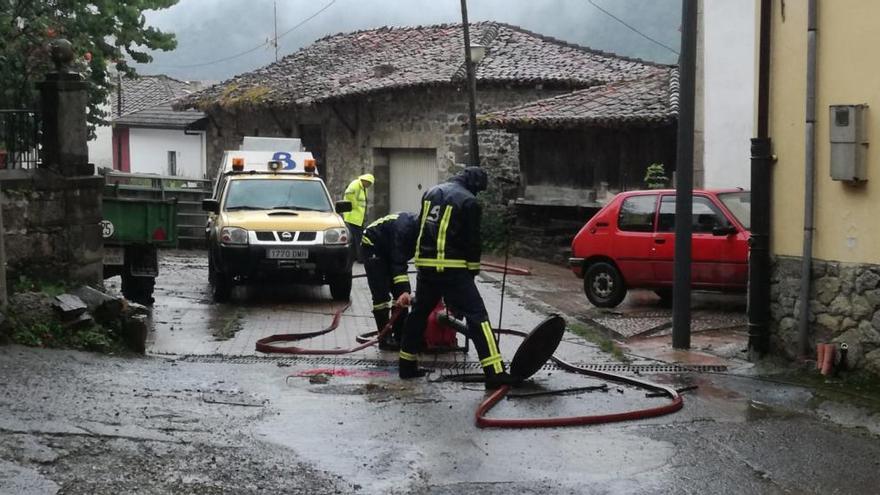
x=356, y=193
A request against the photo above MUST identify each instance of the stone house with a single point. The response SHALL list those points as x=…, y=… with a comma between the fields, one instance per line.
x=843, y=256
x=577, y=150
x=392, y=102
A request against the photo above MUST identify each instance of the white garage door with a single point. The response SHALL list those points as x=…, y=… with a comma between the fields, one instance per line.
x=413, y=171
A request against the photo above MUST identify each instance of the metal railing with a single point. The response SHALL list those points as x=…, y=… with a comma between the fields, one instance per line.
x=19, y=139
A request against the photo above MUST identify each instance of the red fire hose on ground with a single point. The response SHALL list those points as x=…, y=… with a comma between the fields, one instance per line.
x=489, y=402
x=270, y=345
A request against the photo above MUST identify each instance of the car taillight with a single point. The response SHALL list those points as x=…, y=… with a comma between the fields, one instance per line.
x=159, y=234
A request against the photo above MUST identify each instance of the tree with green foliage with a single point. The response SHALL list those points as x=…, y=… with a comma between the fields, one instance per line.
x=655, y=176
x=104, y=33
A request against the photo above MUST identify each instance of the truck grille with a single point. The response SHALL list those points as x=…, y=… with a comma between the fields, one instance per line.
x=265, y=236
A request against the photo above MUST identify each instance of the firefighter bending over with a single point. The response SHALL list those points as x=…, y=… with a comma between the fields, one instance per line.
x=388, y=244
x=448, y=257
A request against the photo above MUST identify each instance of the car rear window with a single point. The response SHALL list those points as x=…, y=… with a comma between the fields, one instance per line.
x=637, y=213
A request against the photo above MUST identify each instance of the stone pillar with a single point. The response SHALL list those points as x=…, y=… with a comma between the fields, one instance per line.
x=63, y=101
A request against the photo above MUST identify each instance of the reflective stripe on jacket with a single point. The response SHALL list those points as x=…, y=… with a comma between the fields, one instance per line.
x=449, y=229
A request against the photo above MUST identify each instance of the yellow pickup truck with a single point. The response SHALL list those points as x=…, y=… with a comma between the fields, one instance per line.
x=271, y=219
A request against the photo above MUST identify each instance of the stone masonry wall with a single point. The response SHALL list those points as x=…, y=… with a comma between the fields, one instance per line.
x=52, y=225
x=844, y=308
x=426, y=118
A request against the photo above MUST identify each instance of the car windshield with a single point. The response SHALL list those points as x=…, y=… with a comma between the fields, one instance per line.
x=740, y=204
x=275, y=194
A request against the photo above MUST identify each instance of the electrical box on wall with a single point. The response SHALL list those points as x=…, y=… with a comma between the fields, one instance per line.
x=849, y=144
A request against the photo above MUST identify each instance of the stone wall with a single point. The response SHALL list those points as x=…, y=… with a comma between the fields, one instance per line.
x=844, y=308
x=52, y=225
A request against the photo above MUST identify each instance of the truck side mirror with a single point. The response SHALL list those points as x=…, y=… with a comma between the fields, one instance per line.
x=211, y=205
x=343, y=206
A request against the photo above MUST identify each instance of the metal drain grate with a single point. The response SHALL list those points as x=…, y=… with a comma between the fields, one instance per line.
x=326, y=361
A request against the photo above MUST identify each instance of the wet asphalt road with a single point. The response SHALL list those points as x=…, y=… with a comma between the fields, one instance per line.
x=79, y=423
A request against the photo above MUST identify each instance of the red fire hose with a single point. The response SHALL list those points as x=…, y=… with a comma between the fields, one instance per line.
x=489, y=402
x=267, y=344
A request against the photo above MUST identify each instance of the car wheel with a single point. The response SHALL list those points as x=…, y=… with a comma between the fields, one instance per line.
x=603, y=285
x=340, y=287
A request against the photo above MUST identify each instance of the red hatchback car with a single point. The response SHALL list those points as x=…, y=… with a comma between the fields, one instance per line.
x=630, y=244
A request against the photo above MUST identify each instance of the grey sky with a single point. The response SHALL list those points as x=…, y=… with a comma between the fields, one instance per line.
x=208, y=30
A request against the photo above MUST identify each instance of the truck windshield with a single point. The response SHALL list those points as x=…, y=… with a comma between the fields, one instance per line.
x=740, y=204
x=273, y=194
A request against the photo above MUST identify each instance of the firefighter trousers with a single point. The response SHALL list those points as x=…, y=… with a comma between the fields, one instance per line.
x=458, y=290
x=380, y=280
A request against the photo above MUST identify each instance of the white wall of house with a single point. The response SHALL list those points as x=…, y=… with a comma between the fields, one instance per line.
x=729, y=91
x=149, y=151
x=101, y=148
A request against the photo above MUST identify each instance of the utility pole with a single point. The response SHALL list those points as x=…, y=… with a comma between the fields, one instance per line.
x=684, y=178
x=275, y=17
x=472, y=88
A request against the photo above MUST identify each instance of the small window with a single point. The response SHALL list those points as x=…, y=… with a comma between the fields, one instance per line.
x=172, y=163
x=705, y=216
x=637, y=213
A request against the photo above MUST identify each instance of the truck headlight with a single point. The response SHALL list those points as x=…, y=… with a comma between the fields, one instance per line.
x=233, y=235
x=336, y=236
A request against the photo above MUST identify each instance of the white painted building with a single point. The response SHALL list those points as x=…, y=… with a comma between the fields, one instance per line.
x=146, y=135
x=729, y=85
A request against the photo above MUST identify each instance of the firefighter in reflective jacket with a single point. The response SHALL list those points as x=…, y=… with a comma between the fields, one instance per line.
x=447, y=258
x=388, y=244
x=356, y=193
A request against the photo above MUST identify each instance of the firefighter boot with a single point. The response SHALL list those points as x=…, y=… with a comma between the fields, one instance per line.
x=495, y=380
x=387, y=342
x=410, y=369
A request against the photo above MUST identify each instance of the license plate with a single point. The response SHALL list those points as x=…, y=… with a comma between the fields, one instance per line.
x=113, y=256
x=287, y=254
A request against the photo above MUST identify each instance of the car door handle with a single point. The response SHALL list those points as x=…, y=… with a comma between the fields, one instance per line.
x=659, y=240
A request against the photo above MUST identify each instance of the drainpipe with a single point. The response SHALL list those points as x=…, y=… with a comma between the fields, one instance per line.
x=761, y=161
x=809, y=183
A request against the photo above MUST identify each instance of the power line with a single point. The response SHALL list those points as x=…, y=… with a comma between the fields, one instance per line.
x=631, y=28
x=251, y=50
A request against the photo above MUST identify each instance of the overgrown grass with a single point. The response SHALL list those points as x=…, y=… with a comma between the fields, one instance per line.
x=52, y=335
x=596, y=337
x=51, y=288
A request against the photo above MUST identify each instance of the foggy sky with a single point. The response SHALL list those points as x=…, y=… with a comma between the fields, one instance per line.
x=212, y=29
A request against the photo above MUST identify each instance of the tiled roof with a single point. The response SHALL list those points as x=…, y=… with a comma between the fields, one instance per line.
x=160, y=116
x=646, y=101
x=363, y=62
x=147, y=91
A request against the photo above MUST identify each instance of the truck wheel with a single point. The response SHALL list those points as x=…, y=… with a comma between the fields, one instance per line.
x=221, y=289
x=138, y=289
x=221, y=285
x=340, y=287
x=603, y=285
